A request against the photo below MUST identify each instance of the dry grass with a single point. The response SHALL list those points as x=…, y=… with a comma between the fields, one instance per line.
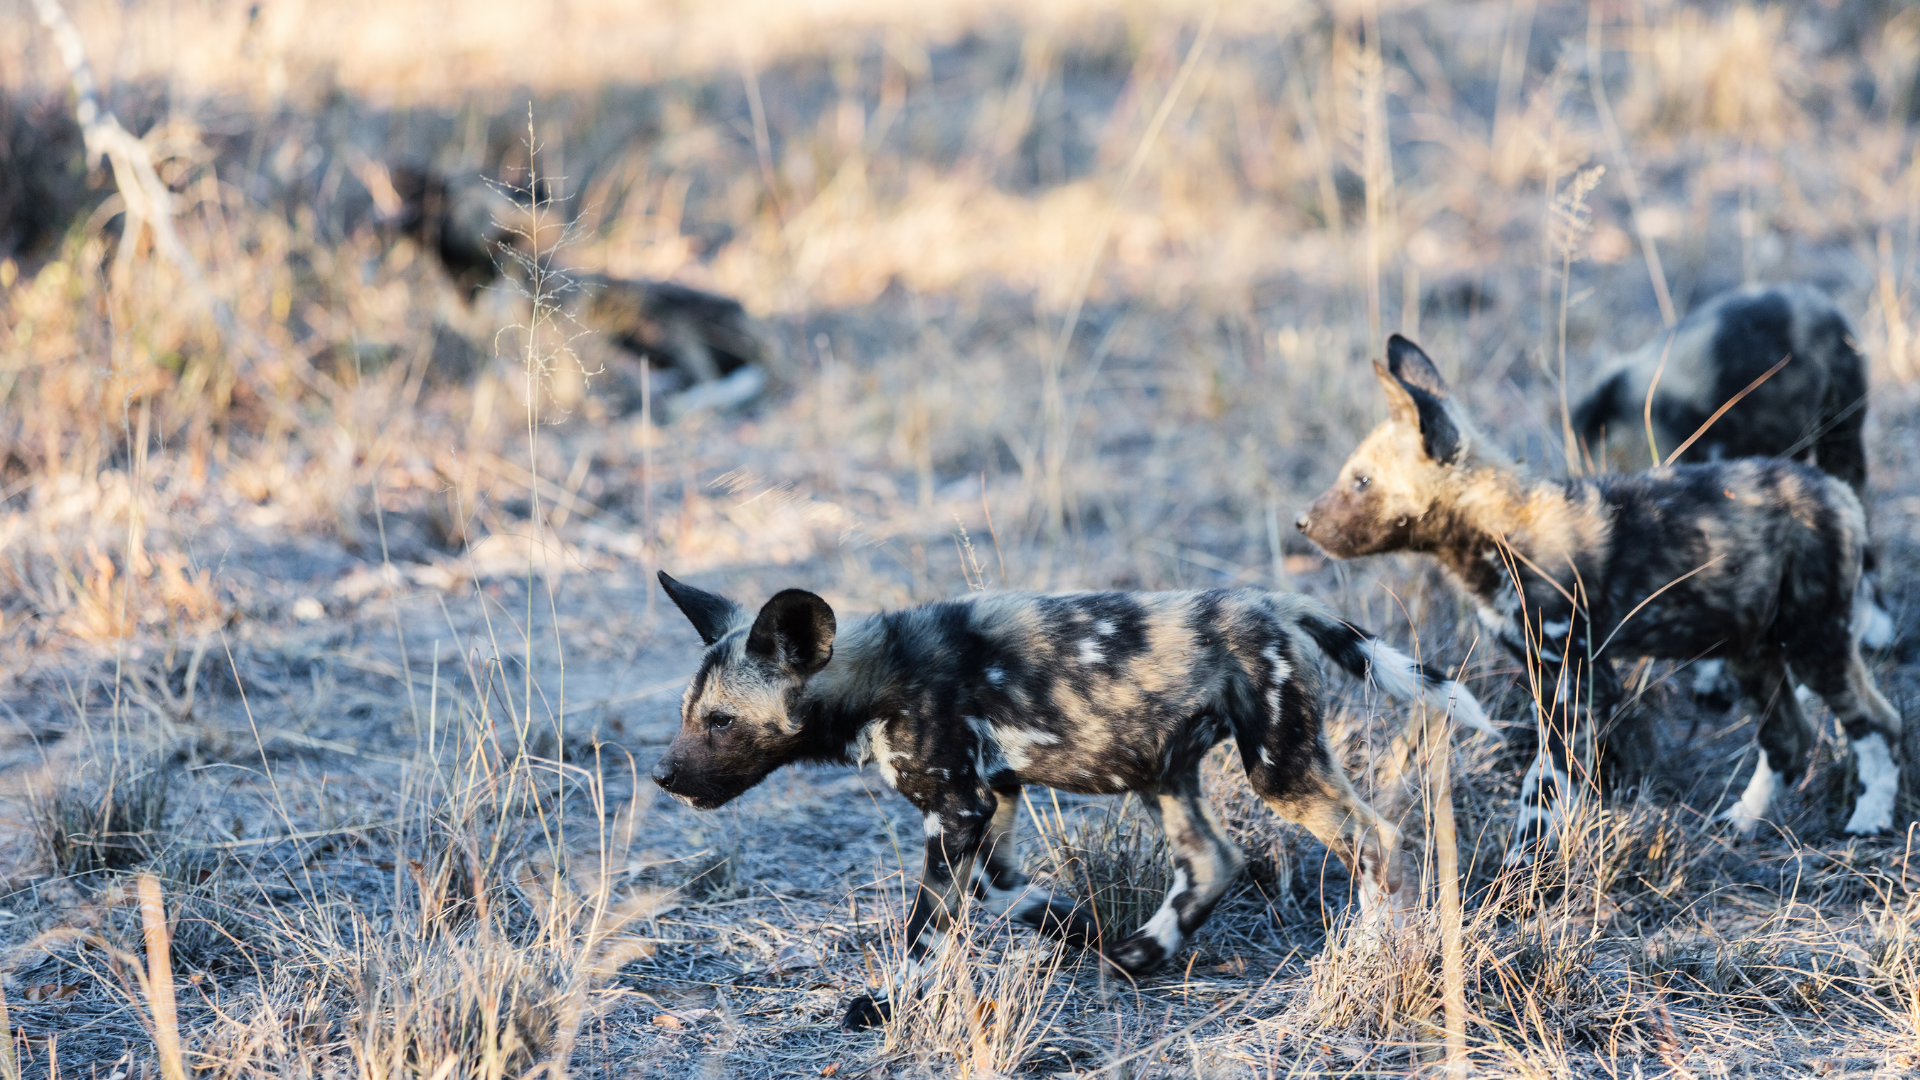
x=337, y=622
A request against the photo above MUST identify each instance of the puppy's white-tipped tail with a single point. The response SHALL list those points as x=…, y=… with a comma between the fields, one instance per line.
x=1396, y=673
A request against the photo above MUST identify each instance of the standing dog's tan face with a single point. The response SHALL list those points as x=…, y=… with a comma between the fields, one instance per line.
x=1391, y=480
x=736, y=723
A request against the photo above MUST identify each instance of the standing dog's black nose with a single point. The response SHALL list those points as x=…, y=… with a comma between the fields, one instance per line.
x=663, y=774
x=1301, y=523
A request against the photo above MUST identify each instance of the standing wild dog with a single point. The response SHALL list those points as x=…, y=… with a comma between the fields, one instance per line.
x=959, y=703
x=1756, y=561
x=1813, y=407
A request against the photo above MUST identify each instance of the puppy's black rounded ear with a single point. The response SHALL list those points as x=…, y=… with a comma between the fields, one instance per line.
x=711, y=615
x=1414, y=367
x=795, y=630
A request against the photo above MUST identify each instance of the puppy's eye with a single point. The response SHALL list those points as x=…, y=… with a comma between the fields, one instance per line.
x=719, y=720
x=1360, y=482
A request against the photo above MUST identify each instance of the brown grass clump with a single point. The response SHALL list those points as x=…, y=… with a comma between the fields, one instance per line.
x=113, y=820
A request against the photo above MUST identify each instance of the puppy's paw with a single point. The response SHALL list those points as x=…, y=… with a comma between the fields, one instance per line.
x=1869, y=819
x=1137, y=955
x=1529, y=840
x=866, y=1012
x=1740, y=821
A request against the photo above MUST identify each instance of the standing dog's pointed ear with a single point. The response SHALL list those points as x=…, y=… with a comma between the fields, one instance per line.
x=795, y=630
x=1412, y=398
x=1401, y=408
x=1411, y=365
x=711, y=615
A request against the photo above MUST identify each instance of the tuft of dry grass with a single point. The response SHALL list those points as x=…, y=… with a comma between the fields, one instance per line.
x=113, y=820
x=1110, y=858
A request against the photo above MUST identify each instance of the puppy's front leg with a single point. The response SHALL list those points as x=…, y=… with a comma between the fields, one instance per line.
x=954, y=834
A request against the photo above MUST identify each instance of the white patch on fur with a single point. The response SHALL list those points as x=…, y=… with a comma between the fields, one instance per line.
x=1395, y=672
x=931, y=825
x=1873, y=764
x=996, y=676
x=1532, y=814
x=1090, y=653
x=1104, y=627
x=1282, y=671
x=870, y=747
x=1707, y=676
x=1005, y=747
x=914, y=970
x=1164, y=927
x=1555, y=629
x=1747, y=814
x=1370, y=894
x=1872, y=625
x=1023, y=900
x=1266, y=756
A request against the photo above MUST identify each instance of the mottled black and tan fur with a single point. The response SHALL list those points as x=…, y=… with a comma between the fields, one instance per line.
x=1813, y=409
x=1756, y=561
x=958, y=704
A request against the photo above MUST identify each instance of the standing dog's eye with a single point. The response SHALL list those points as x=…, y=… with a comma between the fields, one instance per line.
x=719, y=720
x=1360, y=482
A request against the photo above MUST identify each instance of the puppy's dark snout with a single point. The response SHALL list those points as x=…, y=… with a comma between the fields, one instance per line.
x=663, y=774
x=1301, y=523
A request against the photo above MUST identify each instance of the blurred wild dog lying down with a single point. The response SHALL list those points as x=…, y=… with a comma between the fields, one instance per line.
x=480, y=235
x=1813, y=407
x=959, y=703
x=1756, y=561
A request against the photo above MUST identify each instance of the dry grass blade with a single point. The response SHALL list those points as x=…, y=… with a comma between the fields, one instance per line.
x=1722, y=410
x=159, y=981
x=9, y=1060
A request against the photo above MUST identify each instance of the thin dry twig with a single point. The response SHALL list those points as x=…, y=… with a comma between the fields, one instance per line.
x=166, y=1017
x=148, y=201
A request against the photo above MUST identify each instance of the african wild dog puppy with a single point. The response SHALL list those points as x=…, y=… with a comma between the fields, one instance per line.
x=1756, y=561
x=480, y=233
x=1814, y=407
x=959, y=703
x=1811, y=408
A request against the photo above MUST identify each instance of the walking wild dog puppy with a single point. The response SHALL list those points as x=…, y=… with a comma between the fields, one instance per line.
x=959, y=703
x=1756, y=561
x=1813, y=407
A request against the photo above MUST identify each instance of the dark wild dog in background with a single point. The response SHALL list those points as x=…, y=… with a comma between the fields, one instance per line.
x=479, y=234
x=1812, y=408
x=1756, y=561
x=958, y=704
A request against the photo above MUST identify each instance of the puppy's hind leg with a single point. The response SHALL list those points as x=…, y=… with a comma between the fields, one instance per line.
x=1006, y=889
x=1205, y=863
x=1302, y=784
x=1872, y=726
